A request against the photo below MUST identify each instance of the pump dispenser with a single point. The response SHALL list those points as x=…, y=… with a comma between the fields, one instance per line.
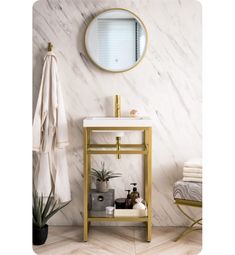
x=134, y=194
x=128, y=203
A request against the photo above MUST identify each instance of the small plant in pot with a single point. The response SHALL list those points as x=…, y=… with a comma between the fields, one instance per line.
x=42, y=212
x=102, y=177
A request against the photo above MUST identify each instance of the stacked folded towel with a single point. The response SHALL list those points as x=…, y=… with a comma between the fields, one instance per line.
x=192, y=171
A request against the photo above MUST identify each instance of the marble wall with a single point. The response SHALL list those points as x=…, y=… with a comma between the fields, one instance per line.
x=166, y=86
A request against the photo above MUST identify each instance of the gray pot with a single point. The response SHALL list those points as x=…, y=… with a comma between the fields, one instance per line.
x=102, y=186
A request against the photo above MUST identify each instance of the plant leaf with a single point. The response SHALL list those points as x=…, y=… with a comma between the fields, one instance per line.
x=43, y=211
x=47, y=205
x=54, y=211
x=103, y=174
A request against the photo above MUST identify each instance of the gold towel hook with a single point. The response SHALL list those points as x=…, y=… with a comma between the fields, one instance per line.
x=49, y=47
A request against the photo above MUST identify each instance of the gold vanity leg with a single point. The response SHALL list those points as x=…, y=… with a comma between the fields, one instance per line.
x=85, y=188
x=88, y=170
x=149, y=183
x=88, y=158
x=145, y=167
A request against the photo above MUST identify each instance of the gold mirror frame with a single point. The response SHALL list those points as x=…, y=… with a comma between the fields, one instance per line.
x=137, y=62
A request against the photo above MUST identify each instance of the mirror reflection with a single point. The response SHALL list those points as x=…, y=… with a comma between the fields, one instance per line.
x=116, y=40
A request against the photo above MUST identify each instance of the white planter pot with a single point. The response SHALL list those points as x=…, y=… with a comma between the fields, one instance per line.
x=102, y=186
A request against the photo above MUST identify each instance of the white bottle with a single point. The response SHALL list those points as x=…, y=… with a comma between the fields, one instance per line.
x=139, y=205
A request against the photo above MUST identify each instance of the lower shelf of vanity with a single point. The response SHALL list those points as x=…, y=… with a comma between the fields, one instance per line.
x=102, y=216
x=131, y=219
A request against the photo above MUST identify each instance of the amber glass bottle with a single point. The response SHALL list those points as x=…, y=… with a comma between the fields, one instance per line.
x=134, y=194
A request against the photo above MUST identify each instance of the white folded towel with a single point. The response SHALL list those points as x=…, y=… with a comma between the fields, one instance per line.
x=196, y=162
x=192, y=170
x=191, y=179
x=197, y=175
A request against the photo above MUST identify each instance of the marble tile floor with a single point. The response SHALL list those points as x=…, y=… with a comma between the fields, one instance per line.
x=67, y=240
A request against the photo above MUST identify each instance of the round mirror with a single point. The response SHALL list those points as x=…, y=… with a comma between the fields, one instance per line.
x=116, y=40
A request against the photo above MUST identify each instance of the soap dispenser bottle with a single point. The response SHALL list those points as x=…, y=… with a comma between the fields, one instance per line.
x=134, y=194
x=128, y=202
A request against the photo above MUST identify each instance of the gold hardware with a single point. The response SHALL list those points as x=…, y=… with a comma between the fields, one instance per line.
x=145, y=149
x=132, y=148
x=49, y=47
x=117, y=106
x=133, y=145
x=188, y=202
x=118, y=138
x=85, y=184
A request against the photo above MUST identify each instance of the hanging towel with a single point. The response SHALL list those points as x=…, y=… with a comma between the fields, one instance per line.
x=50, y=136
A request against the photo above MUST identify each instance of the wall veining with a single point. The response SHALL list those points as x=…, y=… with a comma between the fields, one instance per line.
x=166, y=86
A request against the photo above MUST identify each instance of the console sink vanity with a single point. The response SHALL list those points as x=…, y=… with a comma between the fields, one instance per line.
x=119, y=126
x=116, y=22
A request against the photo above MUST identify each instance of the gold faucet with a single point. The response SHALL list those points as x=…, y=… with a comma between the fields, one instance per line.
x=118, y=115
x=117, y=106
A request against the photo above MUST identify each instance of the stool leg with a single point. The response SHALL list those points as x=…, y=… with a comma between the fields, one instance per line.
x=185, y=214
x=185, y=232
x=191, y=227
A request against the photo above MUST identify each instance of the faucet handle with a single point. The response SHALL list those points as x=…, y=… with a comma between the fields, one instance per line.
x=117, y=106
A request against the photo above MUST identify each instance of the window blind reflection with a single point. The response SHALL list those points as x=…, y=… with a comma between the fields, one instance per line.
x=119, y=42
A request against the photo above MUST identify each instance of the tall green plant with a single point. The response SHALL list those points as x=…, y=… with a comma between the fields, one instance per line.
x=42, y=212
x=103, y=174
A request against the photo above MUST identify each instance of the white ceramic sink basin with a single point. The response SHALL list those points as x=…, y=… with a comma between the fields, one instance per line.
x=117, y=122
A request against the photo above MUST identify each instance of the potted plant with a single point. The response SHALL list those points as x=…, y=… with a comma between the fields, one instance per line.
x=102, y=177
x=42, y=212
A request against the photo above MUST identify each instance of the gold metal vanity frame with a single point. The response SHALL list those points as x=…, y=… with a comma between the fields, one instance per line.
x=145, y=149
